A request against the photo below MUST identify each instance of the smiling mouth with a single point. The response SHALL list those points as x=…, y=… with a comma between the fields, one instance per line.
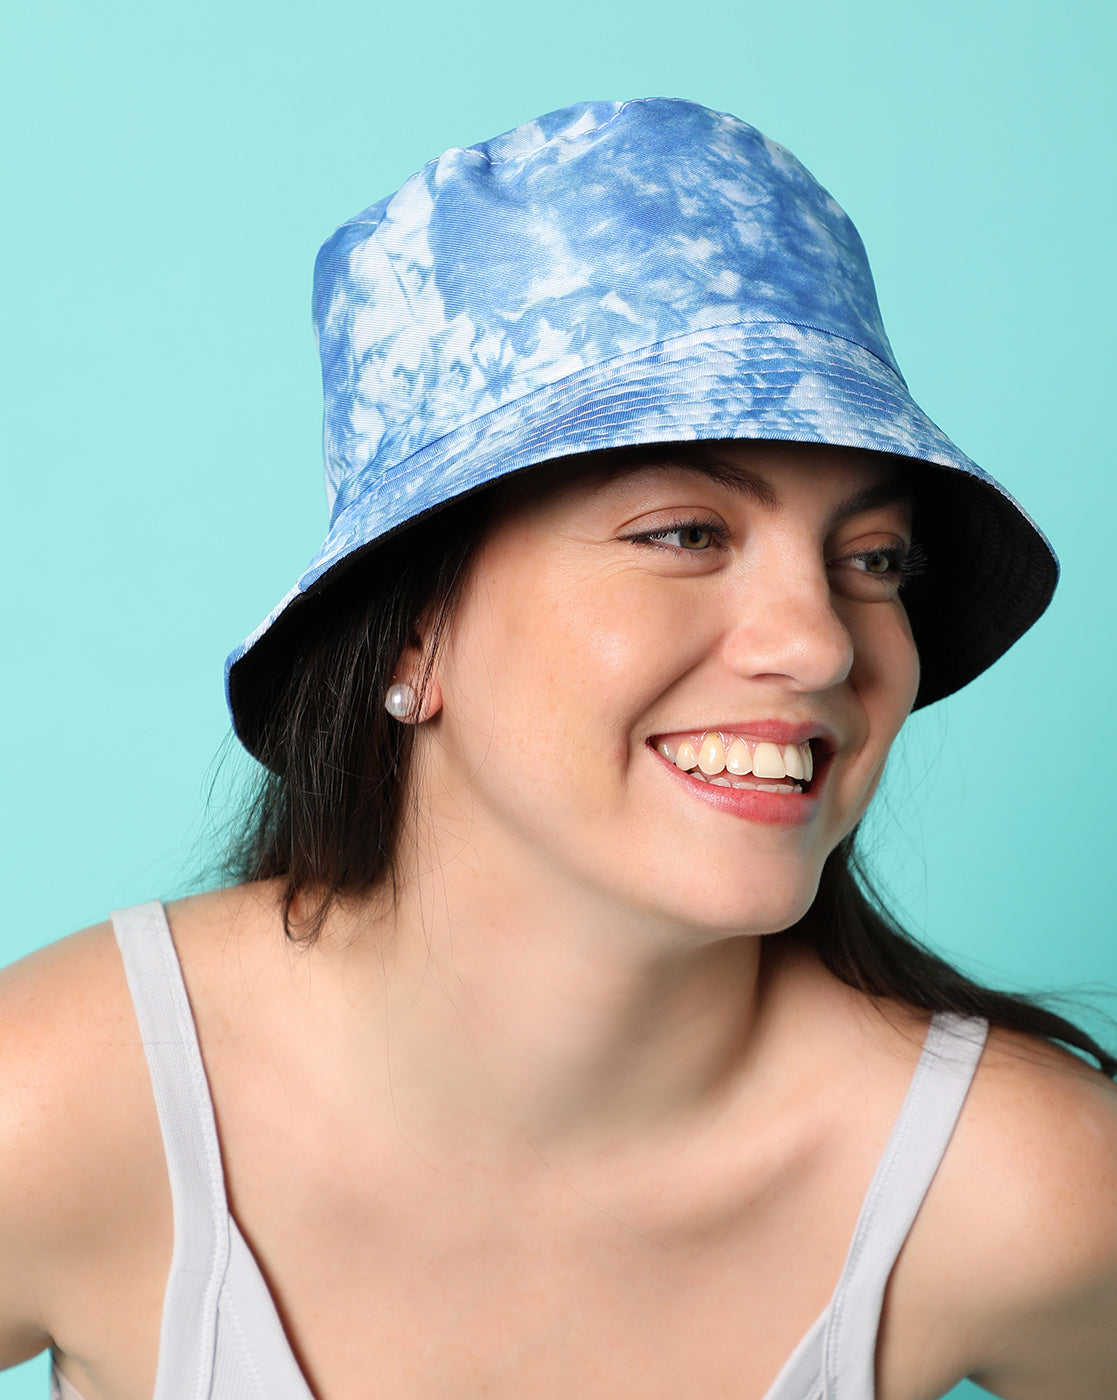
x=739, y=761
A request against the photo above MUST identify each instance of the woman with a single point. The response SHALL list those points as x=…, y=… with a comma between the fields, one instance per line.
x=547, y=1044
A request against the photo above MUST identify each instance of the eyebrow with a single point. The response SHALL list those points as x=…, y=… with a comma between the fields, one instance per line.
x=732, y=475
x=895, y=490
x=704, y=461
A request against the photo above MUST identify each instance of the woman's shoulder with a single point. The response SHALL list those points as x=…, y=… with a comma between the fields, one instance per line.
x=1039, y=1142
x=80, y=1150
x=1017, y=1242
x=66, y=1014
x=82, y=1171
x=71, y=1052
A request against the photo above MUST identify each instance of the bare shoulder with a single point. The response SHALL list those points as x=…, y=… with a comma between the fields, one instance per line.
x=1040, y=1141
x=1017, y=1241
x=67, y=1036
x=77, y=1126
x=223, y=930
x=84, y=1194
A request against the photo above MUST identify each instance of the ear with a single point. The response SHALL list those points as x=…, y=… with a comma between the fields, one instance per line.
x=409, y=671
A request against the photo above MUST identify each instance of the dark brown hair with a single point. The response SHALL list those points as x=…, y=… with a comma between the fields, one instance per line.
x=326, y=815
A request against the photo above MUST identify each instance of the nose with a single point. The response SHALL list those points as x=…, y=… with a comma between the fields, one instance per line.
x=786, y=628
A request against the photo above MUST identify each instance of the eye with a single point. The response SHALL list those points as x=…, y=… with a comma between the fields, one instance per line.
x=892, y=565
x=877, y=561
x=689, y=536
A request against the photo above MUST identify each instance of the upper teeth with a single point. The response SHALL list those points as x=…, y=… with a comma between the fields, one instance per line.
x=714, y=753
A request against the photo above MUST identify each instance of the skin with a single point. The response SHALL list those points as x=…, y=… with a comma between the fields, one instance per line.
x=575, y=644
x=567, y=1097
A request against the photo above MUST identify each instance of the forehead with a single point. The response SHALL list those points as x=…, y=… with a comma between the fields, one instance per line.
x=761, y=471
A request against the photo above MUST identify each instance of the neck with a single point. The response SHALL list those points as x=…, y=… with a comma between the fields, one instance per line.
x=523, y=1016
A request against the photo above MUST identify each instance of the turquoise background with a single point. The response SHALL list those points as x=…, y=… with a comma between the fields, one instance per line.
x=173, y=172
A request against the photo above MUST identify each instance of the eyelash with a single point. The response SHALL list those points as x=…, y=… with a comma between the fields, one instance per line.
x=654, y=537
x=907, y=561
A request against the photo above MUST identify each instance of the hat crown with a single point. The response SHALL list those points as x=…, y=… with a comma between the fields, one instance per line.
x=609, y=275
x=592, y=232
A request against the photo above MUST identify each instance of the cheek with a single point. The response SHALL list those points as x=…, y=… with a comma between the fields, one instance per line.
x=553, y=657
x=619, y=648
x=887, y=666
x=908, y=669
x=607, y=650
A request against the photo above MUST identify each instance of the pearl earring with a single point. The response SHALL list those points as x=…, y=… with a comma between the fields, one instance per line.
x=401, y=701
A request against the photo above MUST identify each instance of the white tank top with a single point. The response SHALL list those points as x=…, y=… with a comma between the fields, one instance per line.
x=221, y=1337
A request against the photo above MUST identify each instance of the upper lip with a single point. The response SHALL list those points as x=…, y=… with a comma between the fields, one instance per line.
x=775, y=731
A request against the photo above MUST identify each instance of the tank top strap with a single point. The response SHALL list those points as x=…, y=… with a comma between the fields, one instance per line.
x=182, y=1099
x=918, y=1143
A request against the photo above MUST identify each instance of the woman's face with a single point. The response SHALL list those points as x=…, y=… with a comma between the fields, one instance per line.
x=731, y=605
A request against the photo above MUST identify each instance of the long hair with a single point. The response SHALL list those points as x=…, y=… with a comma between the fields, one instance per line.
x=327, y=812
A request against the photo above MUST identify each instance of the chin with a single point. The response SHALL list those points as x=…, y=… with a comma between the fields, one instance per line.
x=729, y=913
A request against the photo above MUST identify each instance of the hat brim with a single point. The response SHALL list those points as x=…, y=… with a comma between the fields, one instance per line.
x=990, y=575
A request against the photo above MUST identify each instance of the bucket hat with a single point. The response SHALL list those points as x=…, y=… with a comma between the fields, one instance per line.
x=611, y=274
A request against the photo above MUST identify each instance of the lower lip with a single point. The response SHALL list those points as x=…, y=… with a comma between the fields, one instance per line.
x=750, y=804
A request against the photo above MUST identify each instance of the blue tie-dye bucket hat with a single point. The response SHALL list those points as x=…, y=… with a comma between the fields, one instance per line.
x=618, y=273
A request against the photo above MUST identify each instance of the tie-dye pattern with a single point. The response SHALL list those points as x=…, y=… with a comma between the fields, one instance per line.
x=609, y=274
